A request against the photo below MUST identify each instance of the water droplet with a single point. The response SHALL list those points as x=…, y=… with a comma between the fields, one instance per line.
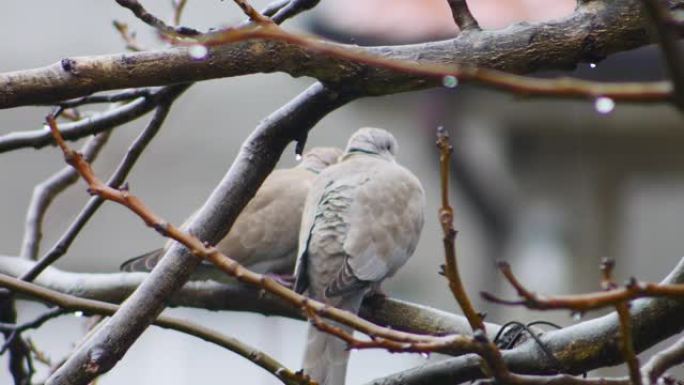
x=78, y=313
x=425, y=355
x=604, y=105
x=592, y=65
x=46, y=127
x=198, y=52
x=577, y=315
x=298, y=157
x=450, y=81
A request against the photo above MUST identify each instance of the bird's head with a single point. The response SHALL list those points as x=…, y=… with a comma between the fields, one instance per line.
x=373, y=141
x=319, y=158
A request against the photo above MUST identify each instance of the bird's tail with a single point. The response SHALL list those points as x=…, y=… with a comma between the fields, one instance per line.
x=326, y=357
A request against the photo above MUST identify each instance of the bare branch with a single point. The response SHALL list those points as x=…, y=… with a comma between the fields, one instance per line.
x=141, y=13
x=579, y=348
x=46, y=191
x=584, y=302
x=669, y=40
x=116, y=287
x=516, y=49
x=293, y=8
x=462, y=16
x=71, y=303
x=88, y=126
x=115, y=180
x=16, y=330
x=252, y=13
x=446, y=219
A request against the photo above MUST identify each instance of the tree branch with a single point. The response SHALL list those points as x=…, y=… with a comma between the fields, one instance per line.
x=88, y=126
x=462, y=16
x=255, y=161
x=45, y=192
x=579, y=348
x=523, y=48
x=116, y=287
x=71, y=303
x=117, y=178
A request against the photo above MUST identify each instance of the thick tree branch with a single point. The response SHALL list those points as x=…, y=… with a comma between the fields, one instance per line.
x=579, y=348
x=523, y=48
x=116, y=287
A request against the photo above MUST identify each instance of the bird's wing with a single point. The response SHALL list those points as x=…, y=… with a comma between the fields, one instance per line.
x=362, y=219
x=267, y=228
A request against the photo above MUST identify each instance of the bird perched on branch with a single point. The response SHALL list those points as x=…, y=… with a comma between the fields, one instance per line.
x=361, y=222
x=264, y=236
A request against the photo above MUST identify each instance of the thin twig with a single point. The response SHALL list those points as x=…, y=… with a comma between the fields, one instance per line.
x=583, y=302
x=117, y=178
x=626, y=340
x=672, y=50
x=16, y=330
x=72, y=303
x=90, y=125
x=45, y=192
x=446, y=219
x=178, y=8
x=293, y=8
x=662, y=361
x=122, y=96
x=141, y=13
x=252, y=13
x=462, y=16
x=127, y=36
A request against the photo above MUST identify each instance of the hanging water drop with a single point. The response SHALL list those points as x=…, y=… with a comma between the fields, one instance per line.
x=298, y=157
x=592, y=65
x=604, y=105
x=425, y=355
x=450, y=81
x=577, y=315
x=78, y=313
x=198, y=52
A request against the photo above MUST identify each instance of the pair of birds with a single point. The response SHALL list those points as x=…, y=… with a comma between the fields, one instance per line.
x=359, y=215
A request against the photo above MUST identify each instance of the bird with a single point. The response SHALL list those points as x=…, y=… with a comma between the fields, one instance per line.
x=264, y=235
x=361, y=222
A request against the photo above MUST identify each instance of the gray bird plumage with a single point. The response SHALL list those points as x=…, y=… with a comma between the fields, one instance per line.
x=361, y=222
x=264, y=236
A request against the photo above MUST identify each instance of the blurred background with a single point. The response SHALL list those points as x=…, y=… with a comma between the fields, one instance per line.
x=551, y=186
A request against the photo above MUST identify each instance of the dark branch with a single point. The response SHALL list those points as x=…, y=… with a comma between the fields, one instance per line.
x=669, y=40
x=116, y=180
x=462, y=16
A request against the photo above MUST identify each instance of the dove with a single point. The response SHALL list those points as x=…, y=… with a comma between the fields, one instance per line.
x=361, y=222
x=264, y=235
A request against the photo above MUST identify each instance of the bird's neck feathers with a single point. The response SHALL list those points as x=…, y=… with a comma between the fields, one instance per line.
x=358, y=151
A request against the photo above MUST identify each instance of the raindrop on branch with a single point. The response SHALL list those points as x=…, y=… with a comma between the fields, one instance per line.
x=592, y=65
x=78, y=313
x=450, y=81
x=198, y=52
x=604, y=105
x=298, y=157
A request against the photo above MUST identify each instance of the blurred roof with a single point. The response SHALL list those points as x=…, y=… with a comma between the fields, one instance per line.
x=404, y=21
